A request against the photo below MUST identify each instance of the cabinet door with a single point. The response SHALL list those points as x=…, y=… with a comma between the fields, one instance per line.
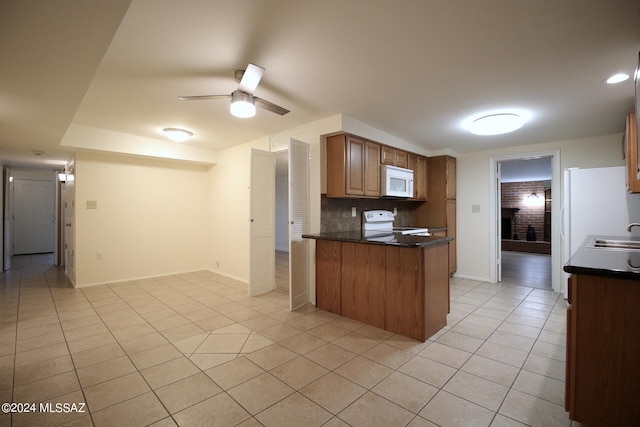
x=451, y=177
x=402, y=159
x=387, y=155
x=451, y=231
x=372, y=169
x=418, y=164
x=328, y=275
x=354, y=170
x=404, y=292
x=394, y=157
x=631, y=153
x=363, y=275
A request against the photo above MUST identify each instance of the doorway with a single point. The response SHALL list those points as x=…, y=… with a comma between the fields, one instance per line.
x=30, y=215
x=548, y=200
x=525, y=221
x=282, y=223
x=263, y=222
x=293, y=181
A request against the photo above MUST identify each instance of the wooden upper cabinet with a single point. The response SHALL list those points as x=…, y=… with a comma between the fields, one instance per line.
x=418, y=164
x=353, y=167
x=371, y=169
x=440, y=210
x=393, y=156
x=451, y=174
x=631, y=153
x=354, y=171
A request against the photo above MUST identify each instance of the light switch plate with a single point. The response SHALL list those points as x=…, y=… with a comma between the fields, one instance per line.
x=475, y=208
x=92, y=204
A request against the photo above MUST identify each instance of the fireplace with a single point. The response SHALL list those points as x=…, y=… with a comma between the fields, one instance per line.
x=506, y=228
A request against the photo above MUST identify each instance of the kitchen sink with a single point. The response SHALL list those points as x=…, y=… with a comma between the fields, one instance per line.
x=624, y=245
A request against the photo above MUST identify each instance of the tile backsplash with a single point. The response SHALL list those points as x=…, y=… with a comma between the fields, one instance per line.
x=335, y=213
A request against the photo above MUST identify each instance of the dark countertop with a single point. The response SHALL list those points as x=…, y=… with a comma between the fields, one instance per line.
x=614, y=263
x=395, y=238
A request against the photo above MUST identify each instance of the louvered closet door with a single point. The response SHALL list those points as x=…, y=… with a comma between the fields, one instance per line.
x=298, y=223
x=262, y=223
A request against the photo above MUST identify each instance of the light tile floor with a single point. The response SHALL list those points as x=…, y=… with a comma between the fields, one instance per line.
x=194, y=349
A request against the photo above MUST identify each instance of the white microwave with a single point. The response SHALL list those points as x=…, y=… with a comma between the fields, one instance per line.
x=396, y=182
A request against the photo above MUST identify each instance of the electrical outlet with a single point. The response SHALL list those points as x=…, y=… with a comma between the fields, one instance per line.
x=99, y=255
x=217, y=262
x=353, y=211
x=92, y=204
x=475, y=208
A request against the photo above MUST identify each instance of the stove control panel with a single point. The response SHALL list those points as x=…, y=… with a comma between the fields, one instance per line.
x=378, y=215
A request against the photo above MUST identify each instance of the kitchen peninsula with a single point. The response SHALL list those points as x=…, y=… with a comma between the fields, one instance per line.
x=395, y=282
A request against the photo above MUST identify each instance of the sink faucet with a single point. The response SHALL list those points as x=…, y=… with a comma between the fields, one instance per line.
x=630, y=226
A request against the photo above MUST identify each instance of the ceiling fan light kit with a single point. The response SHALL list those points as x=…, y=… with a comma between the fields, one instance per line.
x=242, y=104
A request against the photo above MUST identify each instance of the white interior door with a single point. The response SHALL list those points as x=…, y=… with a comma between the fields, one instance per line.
x=68, y=206
x=33, y=216
x=262, y=222
x=298, y=223
x=499, y=223
x=6, y=221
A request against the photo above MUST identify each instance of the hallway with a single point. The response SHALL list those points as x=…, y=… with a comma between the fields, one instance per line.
x=519, y=268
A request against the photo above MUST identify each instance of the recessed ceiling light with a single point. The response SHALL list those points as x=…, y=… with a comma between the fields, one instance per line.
x=496, y=124
x=176, y=134
x=617, y=78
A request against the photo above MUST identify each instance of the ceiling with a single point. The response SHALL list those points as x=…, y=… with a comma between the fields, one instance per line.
x=412, y=68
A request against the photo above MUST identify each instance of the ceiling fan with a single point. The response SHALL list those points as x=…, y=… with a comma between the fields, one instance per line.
x=243, y=102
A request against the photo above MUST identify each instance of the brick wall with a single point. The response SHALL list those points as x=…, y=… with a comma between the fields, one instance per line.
x=517, y=195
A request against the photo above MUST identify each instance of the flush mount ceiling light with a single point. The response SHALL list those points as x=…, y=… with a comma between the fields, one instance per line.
x=177, y=134
x=242, y=104
x=617, y=78
x=496, y=124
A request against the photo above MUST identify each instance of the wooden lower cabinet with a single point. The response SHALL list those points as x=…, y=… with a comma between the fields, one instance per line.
x=603, y=351
x=363, y=283
x=399, y=289
x=328, y=272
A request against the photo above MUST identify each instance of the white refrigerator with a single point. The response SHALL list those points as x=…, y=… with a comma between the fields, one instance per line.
x=595, y=202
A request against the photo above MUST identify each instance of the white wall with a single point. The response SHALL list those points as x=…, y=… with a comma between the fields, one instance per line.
x=474, y=187
x=152, y=217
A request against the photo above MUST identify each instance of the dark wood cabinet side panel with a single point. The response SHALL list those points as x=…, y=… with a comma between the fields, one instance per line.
x=570, y=362
x=436, y=279
x=404, y=293
x=363, y=283
x=336, y=164
x=605, y=327
x=328, y=276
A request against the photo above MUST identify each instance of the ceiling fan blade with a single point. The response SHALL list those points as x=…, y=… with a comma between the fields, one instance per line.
x=200, y=97
x=251, y=78
x=270, y=106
